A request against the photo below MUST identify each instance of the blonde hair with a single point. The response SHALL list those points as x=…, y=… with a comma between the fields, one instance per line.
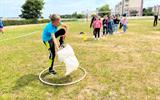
x=54, y=17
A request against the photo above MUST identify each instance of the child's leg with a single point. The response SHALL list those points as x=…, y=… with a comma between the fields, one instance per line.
x=124, y=28
x=51, y=47
x=95, y=32
x=121, y=25
x=107, y=30
x=52, y=54
x=113, y=27
x=1, y=30
x=116, y=26
x=156, y=22
x=98, y=32
x=60, y=33
x=111, y=30
x=104, y=30
x=115, y=30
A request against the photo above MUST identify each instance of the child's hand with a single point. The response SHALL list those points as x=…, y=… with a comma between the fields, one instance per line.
x=64, y=26
x=57, y=47
x=64, y=36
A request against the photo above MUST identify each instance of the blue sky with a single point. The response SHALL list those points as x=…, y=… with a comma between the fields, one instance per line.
x=12, y=8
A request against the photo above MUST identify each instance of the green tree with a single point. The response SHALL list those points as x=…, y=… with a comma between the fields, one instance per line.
x=32, y=9
x=80, y=16
x=76, y=15
x=148, y=12
x=104, y=10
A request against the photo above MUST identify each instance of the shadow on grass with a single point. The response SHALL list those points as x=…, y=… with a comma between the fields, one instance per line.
x=27, y=79
x=24, y=81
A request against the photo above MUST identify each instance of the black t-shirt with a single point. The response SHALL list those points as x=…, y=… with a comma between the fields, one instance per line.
x=156, y=17
x=116, y=21
x=105, y=22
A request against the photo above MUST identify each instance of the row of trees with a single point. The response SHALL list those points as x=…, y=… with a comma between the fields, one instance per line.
x=32, y=9
x=146, y=12
x=74, y=15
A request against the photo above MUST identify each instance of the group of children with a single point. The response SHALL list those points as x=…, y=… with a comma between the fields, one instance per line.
x=109, y=24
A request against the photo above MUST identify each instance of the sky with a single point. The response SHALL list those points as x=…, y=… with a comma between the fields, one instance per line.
x=12, y=8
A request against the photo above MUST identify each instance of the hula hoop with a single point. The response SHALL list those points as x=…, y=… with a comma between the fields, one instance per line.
x=64, y=84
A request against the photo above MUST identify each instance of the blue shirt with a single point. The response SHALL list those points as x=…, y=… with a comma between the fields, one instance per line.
x=48, y=31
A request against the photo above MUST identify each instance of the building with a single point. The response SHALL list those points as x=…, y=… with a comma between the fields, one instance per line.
x=156, y=9
x=130, y=7
x=118, y=8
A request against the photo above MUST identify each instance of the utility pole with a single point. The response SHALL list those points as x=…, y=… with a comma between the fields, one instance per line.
x=158, y=9
x=141, y=8
x=122, y=7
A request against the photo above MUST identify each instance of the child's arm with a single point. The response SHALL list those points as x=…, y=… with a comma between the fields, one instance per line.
x=93, y=24
x=101, y=23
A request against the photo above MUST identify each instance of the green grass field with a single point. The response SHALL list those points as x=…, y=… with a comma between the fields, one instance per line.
x=120, y=67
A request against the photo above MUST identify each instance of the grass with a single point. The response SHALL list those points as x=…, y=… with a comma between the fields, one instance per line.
x=120, y=67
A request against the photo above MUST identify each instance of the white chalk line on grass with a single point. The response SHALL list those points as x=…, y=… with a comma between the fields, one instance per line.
x=19, y=36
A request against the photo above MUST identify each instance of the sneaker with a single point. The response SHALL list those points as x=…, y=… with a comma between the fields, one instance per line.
x=52, y=72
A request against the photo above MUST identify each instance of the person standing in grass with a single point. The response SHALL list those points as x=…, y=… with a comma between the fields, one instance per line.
x=105, y=26
x=121, y=25
x=113, y=17
x=155, y=20
x=110, y=25
x=97, y=24
x=121, y=21
x=116, y=22
x=50, y=35
x=125, y=24
x=92, y=20
x=1, y=26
